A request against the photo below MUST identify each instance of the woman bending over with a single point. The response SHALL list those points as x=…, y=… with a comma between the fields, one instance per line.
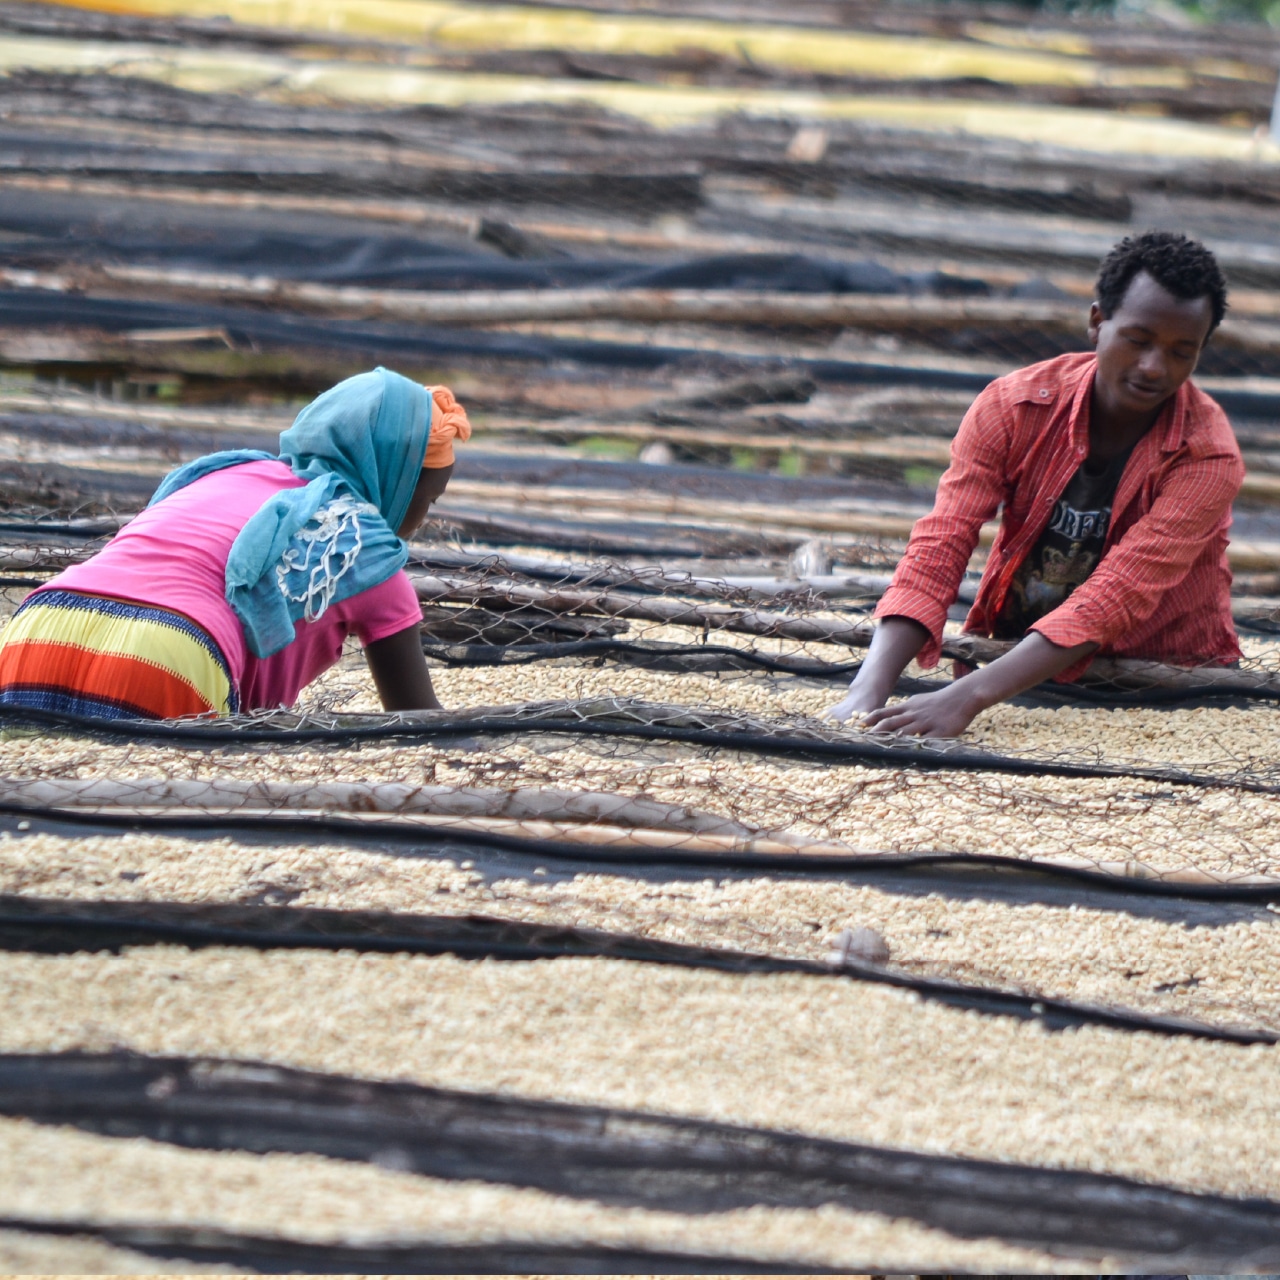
x=238, y=584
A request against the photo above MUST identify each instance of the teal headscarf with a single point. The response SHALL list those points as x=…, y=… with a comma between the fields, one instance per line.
x=361, y=446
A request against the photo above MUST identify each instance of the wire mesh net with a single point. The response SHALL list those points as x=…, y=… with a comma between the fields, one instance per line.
x=717, y=284
x=715, y=330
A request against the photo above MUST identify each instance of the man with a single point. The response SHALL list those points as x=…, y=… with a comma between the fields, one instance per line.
x=1116, y=476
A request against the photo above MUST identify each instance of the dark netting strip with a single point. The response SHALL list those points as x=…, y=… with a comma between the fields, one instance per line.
x=275, y=1255
x=630, y=1158
x=60, y=927
x=931, y=869
x=619, y=718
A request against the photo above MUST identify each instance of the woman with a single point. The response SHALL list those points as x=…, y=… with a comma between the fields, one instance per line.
x=240, y=581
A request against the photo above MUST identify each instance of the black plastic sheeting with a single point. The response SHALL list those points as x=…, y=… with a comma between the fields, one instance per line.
x=39, y=232
x=38, y=309
x=58, y=927
x=404, y=263
x=632, y=1158
x=275, y=1255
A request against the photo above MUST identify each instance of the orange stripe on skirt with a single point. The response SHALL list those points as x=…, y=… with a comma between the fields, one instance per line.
x=129, y=683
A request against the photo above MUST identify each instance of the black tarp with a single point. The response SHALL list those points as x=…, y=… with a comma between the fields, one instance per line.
x=41, y=232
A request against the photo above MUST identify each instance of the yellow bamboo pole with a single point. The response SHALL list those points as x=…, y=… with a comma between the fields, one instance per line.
x=452, y=25
x=277, y=77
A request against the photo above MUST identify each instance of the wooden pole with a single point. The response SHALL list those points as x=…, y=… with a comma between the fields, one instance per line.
x=544, y=804
x=1125, y=673
x=561, y=498
x=885, y=313
x=143, y=797
x=661, y=609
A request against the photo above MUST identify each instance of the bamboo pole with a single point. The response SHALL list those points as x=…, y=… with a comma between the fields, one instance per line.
x=597, y=835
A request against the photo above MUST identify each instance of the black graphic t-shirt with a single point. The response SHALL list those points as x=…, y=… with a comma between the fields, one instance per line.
x=1068, y=550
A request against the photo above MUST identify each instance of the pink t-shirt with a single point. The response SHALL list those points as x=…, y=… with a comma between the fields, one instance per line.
x=174, y=555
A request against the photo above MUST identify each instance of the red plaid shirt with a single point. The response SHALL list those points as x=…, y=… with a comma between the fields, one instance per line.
x=1162, y=587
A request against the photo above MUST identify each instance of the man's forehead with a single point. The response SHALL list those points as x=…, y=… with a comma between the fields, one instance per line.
x=1146, y=296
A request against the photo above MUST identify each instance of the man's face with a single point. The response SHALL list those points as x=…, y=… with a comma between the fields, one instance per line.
x=1149, y=347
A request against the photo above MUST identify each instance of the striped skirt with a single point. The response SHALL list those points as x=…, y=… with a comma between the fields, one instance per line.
x=90, y=655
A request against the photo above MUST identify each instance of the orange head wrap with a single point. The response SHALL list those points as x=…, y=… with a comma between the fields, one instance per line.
x=448, y=420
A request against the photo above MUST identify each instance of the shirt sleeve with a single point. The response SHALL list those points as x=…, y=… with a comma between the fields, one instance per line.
x=927, y=579
x=1152, y=557
x=383, y=610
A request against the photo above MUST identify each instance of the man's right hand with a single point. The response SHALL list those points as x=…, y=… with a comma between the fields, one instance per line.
x=896, y=641
x=856, y=704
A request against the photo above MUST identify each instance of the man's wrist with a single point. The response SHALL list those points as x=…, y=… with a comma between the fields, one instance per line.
x=874, y=683
x=970, y=692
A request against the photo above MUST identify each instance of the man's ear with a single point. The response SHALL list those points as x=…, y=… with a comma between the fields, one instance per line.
x=1095, y=323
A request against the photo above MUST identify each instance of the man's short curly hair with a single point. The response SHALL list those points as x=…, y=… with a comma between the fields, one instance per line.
x=1175, y=262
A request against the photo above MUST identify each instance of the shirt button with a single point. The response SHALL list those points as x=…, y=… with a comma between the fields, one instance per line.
x=1044, y=395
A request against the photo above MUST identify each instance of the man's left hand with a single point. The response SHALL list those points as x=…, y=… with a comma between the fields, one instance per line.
x=945, y=714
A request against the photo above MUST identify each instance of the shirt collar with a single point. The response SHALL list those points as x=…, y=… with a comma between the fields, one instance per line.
x=1168, y=432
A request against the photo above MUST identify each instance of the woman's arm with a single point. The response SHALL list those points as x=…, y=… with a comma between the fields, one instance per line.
x=400, y=671
x=897, y=640
x=948, y=713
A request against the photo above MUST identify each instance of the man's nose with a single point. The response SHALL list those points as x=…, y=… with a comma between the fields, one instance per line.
x=1154, y=364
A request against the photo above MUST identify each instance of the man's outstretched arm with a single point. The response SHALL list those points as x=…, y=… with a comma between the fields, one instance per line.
x=913, y=612
x=949, y=712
